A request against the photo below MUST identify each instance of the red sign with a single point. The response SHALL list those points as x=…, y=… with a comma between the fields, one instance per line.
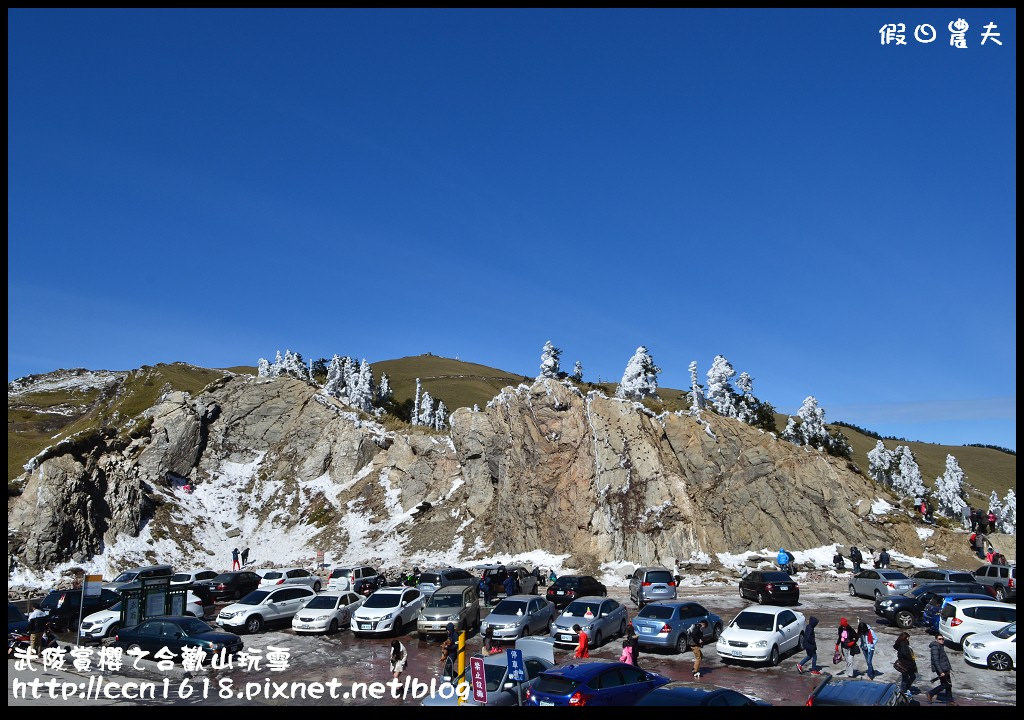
x=479, y=680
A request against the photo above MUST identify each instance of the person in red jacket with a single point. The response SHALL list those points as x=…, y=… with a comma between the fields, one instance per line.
x=583, y=649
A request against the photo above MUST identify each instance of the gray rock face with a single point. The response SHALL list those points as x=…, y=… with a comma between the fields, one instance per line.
x=542, y=467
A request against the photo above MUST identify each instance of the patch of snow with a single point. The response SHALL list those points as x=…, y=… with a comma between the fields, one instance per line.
x=880, y=507
x=924, y=533
x=79, y=381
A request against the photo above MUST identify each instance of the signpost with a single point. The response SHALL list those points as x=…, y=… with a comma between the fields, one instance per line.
x=478, y=678
x=516, y=670
x=92, y=586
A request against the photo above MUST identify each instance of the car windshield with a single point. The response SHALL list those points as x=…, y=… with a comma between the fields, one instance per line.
x=961, y=577
x=579, y=608
x=224, y=578
x=656, y=612
x=658, y=576
x=273, y=575
x=776, y=577
x=181, y=577
x=569, y=582
x=510, y=607
x=383, y=600
x=1006, y=632
x=430, y=578
x=445, y=600
x=323, y=602
x=761, y=622
x=340, y=572
x=254, y=598
x=125, y=577
x=193, y=627
x=494, y=675
x=555, y=684
x=893, y=575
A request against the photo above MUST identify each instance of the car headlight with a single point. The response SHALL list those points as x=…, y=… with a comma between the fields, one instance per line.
x=761, y=643
x=319, y=617
x=887, y=603
x=976, y=644
x=388, y=616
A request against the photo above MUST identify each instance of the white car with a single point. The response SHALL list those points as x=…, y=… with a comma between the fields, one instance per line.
x=996, y=649
x=388, y=610
x=327, y=612
x=106, y=623
x=962, y=618
x=187, y=578
x=762, y=633
x=265, y=605
x=290, y=576
x=346, y=577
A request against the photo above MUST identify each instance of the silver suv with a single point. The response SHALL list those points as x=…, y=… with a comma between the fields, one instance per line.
x=1001, y=578
x=456, y=604
x=433, y=580
x=648, y=584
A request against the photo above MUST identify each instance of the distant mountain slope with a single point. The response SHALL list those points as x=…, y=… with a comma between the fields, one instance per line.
x=458, y=383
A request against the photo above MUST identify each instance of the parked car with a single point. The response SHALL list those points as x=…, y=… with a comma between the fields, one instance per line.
x=433, y=580
x=773, y=587
x=106, y=623
x=648, y=584
x=130, y=578
x=193, y=576
x=17, y=621
x=963, y=618
x=290, y=576
x=569, y=587
x=907, y=610
x=601, y=619
x=839, y=691
x=327, y=612
x=933, y=575
x=347, y=577
x=761, y=633
x=62, y=606
x=691, y=694
x=1001, y=578
x=456, y=604
x=233, y=585
x=664, y=624
x=264, y=606
x=538, y=656
x=389, y=609
x=495, y=576
x=518, y=616
x=876, y=583
x=593, y=682
x=996, y=649
x=933, y=612
x=176, y=633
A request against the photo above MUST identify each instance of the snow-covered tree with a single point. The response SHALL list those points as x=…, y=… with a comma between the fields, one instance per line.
x=906, y=479
x=641, y=376
x=1008, y=515
x=335, y=384
x=311, y=369
x=293, y=365
x=549, y=361
x=426, y=410
x=696, y=394
x=881, y=464
x=808, y=428
x=350, y=373
x=384, y=392
x=360, y=392
x=745, y=408
x=577, y=371
x=720, y=392
x=948, y=490
x=263, y=368
x=441, y=416
x=416, y=405
x=995, y=504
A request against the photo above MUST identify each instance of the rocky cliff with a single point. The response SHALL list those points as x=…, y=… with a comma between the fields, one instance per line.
x=280, y=467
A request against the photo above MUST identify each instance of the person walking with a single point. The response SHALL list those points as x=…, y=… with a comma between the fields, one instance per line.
x=245, y=556
x=485, y=591
x=942, y=668
x=583, y=648
x=510, y=586
x=846, y=643
x=234, y=560
x=884, y=559
x=867, y=639
x=856, y=558
x=810, y=647
x=634, y=643
x=489, y=639
x=992, y=519
x=783, y=559
x=36, y=628
x=449, y=651
x=905, y=663
x=979, y=545
x=399, y=657
x=697, y=645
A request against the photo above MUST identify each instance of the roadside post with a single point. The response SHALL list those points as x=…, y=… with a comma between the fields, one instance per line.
x=516, y=671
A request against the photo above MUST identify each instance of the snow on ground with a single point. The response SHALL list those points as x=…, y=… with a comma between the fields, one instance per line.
x=75, y=382
x=910, y=560
x=880, y=507
x=924, y=533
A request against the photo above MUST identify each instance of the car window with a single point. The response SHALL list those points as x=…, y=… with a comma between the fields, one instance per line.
x=631, y=675
x=534, y=606
x=1007, y=614
x=656, y=612
x=636, y=575
x=410, y=595
x=609, y=679
x=533, y=668
x=870, y=575
x=659, y=576
x=986, y=613
x=787, y=618
x=149, y=628
x=1004, y=572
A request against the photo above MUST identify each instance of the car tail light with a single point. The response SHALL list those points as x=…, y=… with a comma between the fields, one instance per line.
x=665, y=628
x=810, y=702
x=769, y=587
x=672, y=584
x=578, y=699
x=527, y=694
x=570, y=592
x=221, y=586
x=280, y=582
x=1009, y=583
x=954, y=622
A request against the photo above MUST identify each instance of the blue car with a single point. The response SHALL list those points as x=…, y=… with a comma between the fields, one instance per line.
x=593, y=682
x=931, y=616
x=664, y=624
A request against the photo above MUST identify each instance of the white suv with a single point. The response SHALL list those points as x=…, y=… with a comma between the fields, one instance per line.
x=106, y=623
x=348, y=578
x=290, y=576
x=263, y=606
x=962, y=618
x=388, y=610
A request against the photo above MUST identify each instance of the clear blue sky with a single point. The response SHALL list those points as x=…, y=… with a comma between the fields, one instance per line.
x=835, y=216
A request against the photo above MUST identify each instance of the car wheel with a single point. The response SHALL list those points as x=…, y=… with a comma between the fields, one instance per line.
x=773, y=659
x=681, y=643
x=963, y=638
x=134, y=647
x=905, y=619
x=853, y=591
x=112, y=631
x=760, y=598
x=622, y=629
x=1000, y=593
x=878, y=595
x=254, y=624
x=598, y=639
x=333, y=627
x=317, y=586
x=1000, y=661
x=715, y=632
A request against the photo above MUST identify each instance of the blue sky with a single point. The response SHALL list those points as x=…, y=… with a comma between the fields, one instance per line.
x=835, y=216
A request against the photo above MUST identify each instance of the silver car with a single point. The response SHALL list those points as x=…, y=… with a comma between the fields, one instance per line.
x=455, y=604
x=433, y=580
x=879, y=583
x=600, y=618
x=538, y=656
x=518, y=616
x=649, y=584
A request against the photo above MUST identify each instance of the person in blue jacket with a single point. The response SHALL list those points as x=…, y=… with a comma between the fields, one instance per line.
x=510, y=585
x=784, y=559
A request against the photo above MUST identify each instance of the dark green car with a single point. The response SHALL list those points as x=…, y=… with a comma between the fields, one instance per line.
x=176, y=633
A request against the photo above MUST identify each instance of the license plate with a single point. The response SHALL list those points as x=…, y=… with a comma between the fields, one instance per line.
x=783, y=587
x=559, y=592
x=303, y=627
x=646, y=630
x=544, y=702
x=566, y=637
x=364, y=626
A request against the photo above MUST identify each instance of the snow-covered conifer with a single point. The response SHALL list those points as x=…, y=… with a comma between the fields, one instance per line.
x=745, y=408
x=995, y=504
x=880, y=464
x=696, y=395
x=1008, y=517
x=907, y=480
x=426, y=410
x=811, y=429
x=360, y=391
x=416, y=405
x=949, y=489
x=641, y=376
x=263, y=368
x=549, y=361
x=577, y=371
x=311, y=369
x=441, y=416
x=384, y=393
x=335, y=383
x=293, y=365
x=720, y=393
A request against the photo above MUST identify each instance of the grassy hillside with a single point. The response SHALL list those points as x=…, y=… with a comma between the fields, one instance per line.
x=458, y=383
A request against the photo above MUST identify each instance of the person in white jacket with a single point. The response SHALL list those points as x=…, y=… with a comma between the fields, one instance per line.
x=867, y=639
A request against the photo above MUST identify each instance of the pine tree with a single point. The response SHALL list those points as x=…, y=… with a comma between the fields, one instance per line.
x=640, y=379
x=416, y=405
x=995, y=505
x=549, y=361
x=577, y=371
x=335, y=384
x=949, y=489
x=745, y=409
x=907, y=480
x=263, y=368
x=384, y=393
x=720, y=393
x=441, y=416
x=1008, y=517
x=696, y=394
x=881, y=464
x=426, y=410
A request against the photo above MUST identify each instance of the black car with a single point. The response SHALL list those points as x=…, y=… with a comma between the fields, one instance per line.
x=927, y=577
x=63, y=606
x=682, y=694
x=835, y=691
x=906, y=610
x=569, y=587
x=175, y=633
x=16, y=619
x=770, y=587
x=203, y=591
x=233, y=585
